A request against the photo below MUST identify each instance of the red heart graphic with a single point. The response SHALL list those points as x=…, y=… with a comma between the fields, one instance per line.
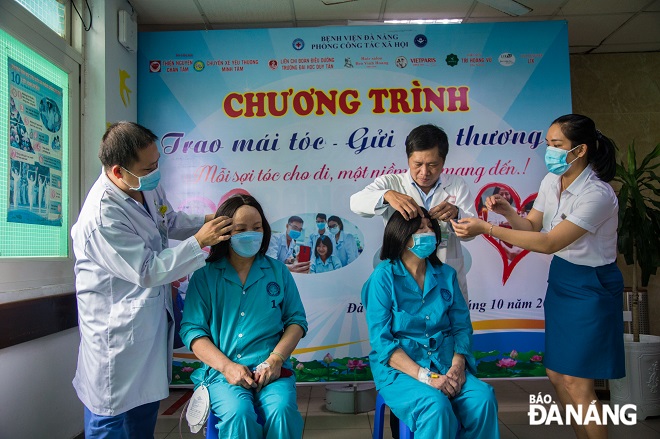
x=510, y=254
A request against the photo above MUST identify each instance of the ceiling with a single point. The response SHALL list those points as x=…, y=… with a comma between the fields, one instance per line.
x=594, y=26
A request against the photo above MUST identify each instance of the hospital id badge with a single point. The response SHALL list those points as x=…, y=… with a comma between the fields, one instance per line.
x=198, y=409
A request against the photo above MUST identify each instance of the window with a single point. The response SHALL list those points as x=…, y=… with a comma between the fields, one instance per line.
x=50, y=12
x=36, y=257
x=34, y=96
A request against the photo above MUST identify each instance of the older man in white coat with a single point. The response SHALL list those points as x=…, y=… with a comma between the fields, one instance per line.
x=123, y=269
x=445, y=196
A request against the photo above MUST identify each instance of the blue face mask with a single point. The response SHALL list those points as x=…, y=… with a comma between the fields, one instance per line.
x=320, y=226
x=333, y=230
x=246, y=244
x=294, y=234
x=147, y=182
x=424, y=244
x=555, y=160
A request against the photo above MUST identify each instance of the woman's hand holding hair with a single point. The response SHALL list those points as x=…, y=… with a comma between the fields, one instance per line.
x=238, y=375
x=469, y=227
x=498, y=204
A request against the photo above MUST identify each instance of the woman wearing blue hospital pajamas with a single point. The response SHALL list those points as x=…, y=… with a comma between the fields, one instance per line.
x=421, y=338
x=243, y=317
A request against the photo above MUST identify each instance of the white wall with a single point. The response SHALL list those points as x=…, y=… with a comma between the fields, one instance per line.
x=38, y=400
x=104, y=58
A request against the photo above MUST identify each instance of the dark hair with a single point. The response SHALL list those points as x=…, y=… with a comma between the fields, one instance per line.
x=295, y=218
x=121, y=143
x=426, y=137
x=325, y=241
x=338, y=220
x=397, y=232
x=322, y=216
x=601, y=150
x=229, y=208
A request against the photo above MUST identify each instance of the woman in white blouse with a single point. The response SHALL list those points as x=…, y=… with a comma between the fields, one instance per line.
x=574, y=217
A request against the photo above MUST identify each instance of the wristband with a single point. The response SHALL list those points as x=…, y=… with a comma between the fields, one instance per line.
x=490, y=231
x=279, y=355
x=424, y=375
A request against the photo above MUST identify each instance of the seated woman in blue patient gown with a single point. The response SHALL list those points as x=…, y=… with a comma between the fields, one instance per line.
x=421, y=338
x=242, y=318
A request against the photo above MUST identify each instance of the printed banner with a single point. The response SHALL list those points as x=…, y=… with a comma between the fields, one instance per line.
x=303, y=118
x=35, y=148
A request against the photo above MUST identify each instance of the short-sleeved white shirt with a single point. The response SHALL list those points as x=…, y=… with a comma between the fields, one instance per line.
x=588, y=203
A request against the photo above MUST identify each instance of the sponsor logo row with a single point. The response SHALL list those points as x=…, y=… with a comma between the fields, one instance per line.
x=337, y=42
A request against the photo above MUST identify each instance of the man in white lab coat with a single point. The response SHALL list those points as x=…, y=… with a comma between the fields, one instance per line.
x=123, y=269
x=445, y=196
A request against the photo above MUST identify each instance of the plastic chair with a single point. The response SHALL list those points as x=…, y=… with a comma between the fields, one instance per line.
x=212, y=432
x=379, y=421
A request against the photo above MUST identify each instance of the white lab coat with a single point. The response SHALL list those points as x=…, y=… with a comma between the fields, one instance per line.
x=123, y=269
x=369, y=202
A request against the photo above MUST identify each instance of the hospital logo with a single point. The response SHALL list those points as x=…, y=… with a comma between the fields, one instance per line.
x=154, y=66
x=401, y=62
x=445, y=294
x=420, y=40
x=198, y=66
x=298, y=44
x=507, y=59
x=452, y=60
x=273, y=289
x=544, y=411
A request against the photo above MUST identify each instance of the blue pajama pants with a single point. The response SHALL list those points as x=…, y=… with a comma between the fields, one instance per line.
x=139, y=422
x=431, y=415
x=237, y=409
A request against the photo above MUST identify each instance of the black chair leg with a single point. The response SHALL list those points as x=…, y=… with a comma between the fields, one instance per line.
x=394, y=425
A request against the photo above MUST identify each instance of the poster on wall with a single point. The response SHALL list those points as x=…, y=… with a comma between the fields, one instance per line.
x=303, y=118
x=35, y=148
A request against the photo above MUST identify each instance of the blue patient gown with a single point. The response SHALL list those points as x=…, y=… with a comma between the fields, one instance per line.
x=246, y=322
x=429, y=326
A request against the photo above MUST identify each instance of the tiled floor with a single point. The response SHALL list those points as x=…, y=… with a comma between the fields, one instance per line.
x=512, y=396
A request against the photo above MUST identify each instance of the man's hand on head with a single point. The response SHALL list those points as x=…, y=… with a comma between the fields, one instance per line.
x=404, y=204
